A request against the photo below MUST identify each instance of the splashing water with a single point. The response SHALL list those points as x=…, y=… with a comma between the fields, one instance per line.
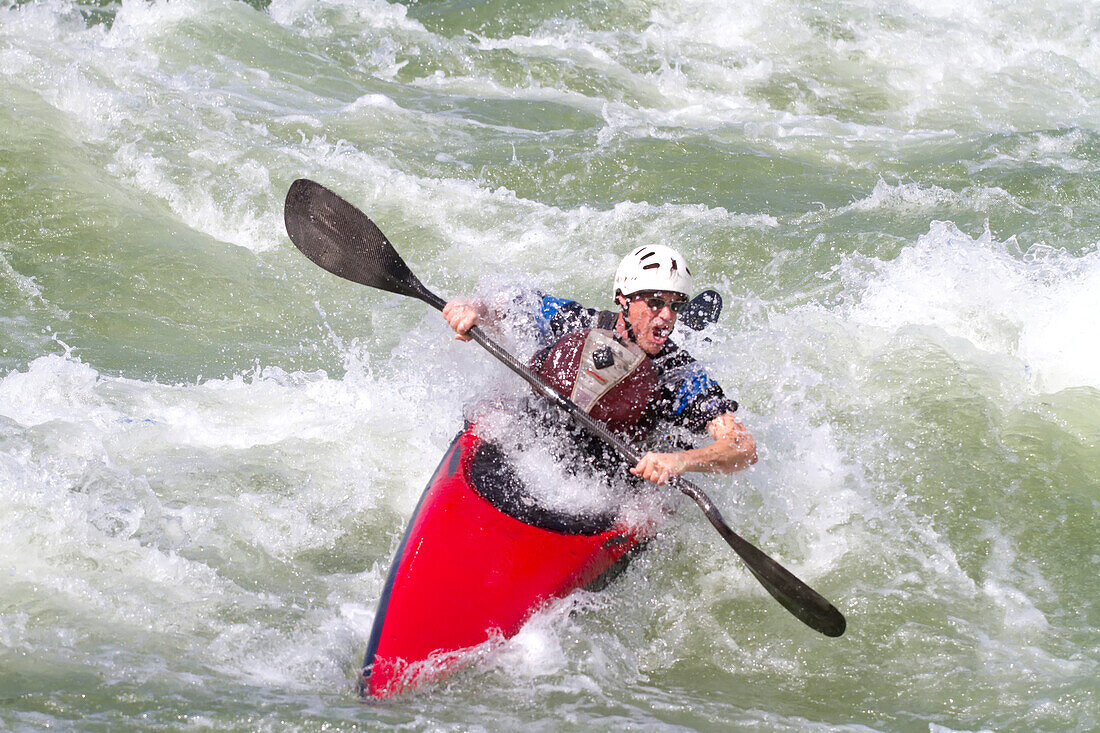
x=209, y=447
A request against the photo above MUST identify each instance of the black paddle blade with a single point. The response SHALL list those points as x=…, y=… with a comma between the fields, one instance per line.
x=344, y=241
x=807, y=605
x=702, y=311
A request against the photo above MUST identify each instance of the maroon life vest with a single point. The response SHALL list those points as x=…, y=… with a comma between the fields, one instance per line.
x=610, y=379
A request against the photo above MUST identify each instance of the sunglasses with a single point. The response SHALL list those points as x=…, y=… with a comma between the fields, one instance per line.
x=656, y=303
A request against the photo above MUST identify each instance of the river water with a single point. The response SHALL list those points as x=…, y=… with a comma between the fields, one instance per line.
x=209, y=447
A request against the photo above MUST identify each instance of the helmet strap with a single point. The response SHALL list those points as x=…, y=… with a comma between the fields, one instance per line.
x=624, y=308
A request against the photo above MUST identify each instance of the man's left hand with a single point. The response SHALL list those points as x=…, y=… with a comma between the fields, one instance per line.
x=660, y=467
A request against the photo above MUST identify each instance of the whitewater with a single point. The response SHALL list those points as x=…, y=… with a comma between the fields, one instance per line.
x=209, y=447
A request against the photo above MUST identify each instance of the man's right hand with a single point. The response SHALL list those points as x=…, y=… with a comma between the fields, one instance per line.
x=462, y=315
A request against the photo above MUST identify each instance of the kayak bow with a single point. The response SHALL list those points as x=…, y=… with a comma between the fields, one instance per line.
x=479, y=557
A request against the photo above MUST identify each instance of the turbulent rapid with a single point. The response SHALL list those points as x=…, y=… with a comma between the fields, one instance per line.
x=209, y=447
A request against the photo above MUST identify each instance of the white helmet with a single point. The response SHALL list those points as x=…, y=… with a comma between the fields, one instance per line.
x=653, y=267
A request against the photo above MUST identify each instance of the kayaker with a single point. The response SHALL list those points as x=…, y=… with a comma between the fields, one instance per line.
x=652, y=285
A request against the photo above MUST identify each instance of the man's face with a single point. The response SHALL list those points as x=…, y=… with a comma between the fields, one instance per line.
x=652, y=318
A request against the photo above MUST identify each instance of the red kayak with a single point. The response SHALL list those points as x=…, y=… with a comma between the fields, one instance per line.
x=478, y=559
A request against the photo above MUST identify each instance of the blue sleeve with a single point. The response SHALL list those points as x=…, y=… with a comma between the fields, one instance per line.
x=549, y=309
x=558, y=317
x=698, y=399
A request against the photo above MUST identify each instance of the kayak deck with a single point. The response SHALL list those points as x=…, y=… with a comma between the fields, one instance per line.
x=478, y=558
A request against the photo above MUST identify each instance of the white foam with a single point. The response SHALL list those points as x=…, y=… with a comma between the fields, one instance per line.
x=314, y=654
x=102, y=522
x=320, y=17
x=49, y=389
x=537, y=649
x=107, y=78
x=1055, y=339
x=137, y=22
x=1034, y=308
x=207, y=208
x=969, y=62
x=914, y=196
x=561, y=648
x=24, y=285
x=495, y=233
x=268, y=407
x=1004, y=584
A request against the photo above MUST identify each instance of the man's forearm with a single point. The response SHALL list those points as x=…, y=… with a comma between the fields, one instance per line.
x=724, y=455
x=733, y=449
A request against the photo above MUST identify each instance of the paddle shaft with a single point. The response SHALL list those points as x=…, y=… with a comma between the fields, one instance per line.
x=775, y=578
x=343, y=240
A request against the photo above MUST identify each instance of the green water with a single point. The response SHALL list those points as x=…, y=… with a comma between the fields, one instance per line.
x=209, y=447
